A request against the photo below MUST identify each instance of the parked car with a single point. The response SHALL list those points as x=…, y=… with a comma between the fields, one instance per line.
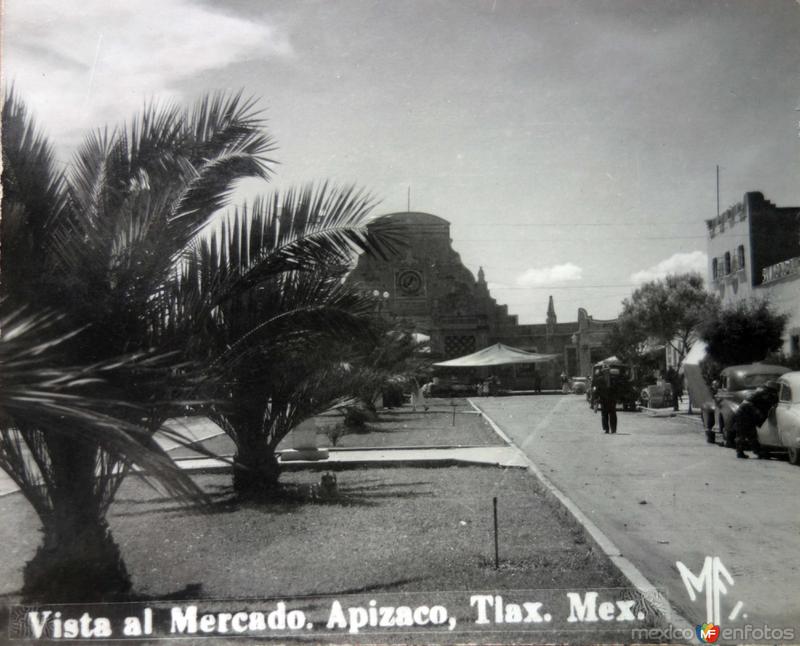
x=579, y=385
x=627, y=393
x=449, y=387
x=736, y=383
x=783, y=428
x=657, y=395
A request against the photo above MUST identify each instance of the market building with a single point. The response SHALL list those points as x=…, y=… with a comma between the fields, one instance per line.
x=427, y=285
x=754, y=252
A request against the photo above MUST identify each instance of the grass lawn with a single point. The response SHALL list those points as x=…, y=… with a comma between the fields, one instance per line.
x=398, y=427
x=390, y=530
x=402, y=427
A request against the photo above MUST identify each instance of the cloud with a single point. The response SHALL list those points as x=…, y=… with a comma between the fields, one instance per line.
x=678, y=263
x=82, y=65
x=568, y=272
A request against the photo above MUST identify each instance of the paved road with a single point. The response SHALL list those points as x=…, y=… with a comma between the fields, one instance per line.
x=663, y=495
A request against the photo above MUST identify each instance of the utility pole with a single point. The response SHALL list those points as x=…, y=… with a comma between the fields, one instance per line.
x=408, y=208
x=717, y=190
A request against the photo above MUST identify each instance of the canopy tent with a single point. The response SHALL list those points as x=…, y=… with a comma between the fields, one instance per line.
x=496, y=355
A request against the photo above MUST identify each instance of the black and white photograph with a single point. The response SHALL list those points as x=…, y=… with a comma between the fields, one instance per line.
x=400, y=322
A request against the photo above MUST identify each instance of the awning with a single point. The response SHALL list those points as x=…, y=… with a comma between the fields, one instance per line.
x=496, y=355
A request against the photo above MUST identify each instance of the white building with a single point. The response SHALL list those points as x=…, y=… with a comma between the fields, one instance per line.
x=754, y=252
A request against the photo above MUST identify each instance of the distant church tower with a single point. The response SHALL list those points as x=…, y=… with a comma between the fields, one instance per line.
x=551, y=317
x=550, y=328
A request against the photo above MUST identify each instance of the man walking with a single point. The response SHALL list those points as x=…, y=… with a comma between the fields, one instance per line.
x=751, y=414
x=606, y=393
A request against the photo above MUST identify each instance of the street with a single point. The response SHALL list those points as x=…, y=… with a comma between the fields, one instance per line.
x=663, y=495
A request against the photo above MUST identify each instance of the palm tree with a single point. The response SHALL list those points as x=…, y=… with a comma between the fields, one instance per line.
x=59, y=431
x=396, y=357
x=113, y=247
x=270, y=282
x=100, y=246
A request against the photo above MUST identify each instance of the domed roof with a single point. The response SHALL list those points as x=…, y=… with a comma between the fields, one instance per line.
x=413, y=217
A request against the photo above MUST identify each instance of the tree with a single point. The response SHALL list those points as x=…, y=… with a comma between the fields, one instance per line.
x=58, y=432
x=668, y=311
x=108, y=246
x=391, y=357
x=626, y=340
x=630, y=343
x=270, y=282
x=743, y=333
x=100, y=246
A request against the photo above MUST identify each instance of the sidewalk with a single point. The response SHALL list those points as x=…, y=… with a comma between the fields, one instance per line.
x=501, y=456
x=338, y=458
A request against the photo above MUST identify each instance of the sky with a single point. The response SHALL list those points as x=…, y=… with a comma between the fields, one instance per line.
x=572, y=145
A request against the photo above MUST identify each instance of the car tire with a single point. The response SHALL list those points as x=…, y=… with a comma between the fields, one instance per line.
x=711, y=437
x=794, y=455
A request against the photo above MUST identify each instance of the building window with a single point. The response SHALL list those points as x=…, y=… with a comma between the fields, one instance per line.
x=740, y=257
x=727, y=262
x=457, y=346
x=715, y=269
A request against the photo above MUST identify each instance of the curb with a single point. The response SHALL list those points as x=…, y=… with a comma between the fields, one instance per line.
x=323, y=465
x=626, y=567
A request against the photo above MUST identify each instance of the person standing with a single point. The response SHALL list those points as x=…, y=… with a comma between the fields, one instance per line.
x=607, y=396
x=564, y=383
x=418, y=395
x=751, y=414
x=674, y=381
x=537, y=381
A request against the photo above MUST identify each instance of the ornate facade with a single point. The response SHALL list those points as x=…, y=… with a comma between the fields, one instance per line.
x=427, y=285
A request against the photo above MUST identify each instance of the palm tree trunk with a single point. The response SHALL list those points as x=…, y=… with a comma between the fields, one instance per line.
x=255, y=470
x=78, y=562
x=78, y=559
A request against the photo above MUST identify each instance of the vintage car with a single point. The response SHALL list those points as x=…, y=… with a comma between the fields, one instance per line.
x=784, y=425
x=444, y=387
x=781, y=430
x=579, y=385
x=657, y=395
x=736, y=383
x=627, y=393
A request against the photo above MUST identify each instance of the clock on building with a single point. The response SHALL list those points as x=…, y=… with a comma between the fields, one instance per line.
x=409, y=282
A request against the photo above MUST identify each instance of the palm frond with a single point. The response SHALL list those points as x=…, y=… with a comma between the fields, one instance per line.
x=310, y=229
x=227, y=142
x=34, y=198
x=41, y=399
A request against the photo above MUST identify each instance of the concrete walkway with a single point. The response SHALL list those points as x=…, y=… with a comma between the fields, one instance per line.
x=501, y=456
x=200, y=430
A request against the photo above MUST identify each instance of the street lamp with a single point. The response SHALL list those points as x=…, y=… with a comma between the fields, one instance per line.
x=381, y=298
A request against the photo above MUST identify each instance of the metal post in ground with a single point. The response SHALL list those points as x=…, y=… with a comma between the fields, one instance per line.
x=496, y=547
